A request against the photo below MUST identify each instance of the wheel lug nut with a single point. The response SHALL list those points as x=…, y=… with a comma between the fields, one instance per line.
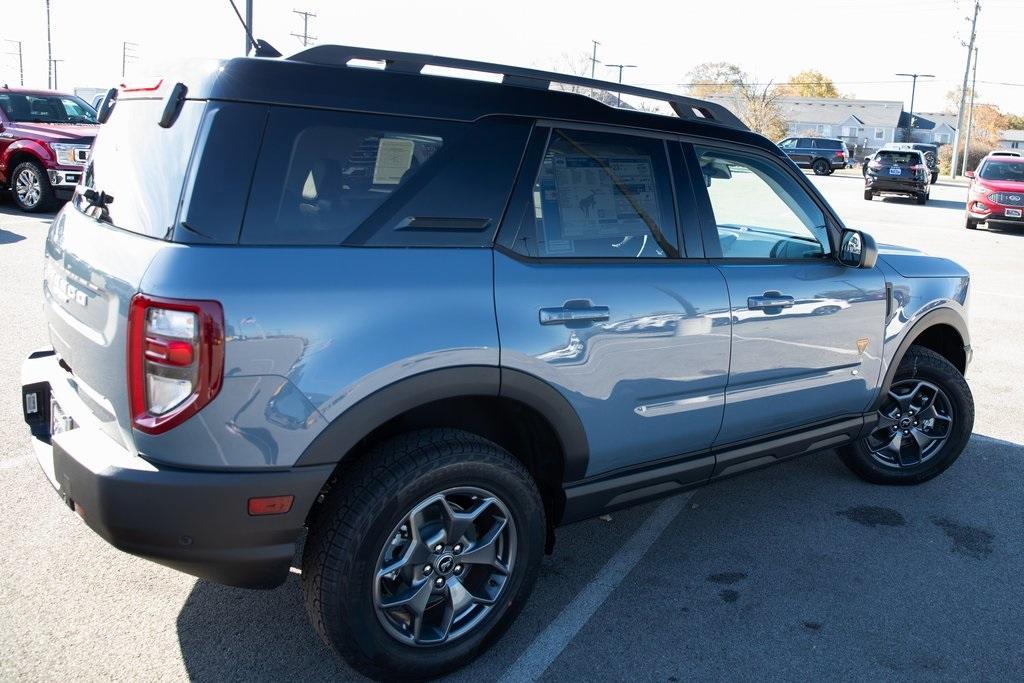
x=457, y=549
x=438, y=548
x=439, y=582
x=427, y=570
x=458, y=569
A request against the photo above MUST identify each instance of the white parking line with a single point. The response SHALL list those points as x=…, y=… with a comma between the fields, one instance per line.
x=546, y=647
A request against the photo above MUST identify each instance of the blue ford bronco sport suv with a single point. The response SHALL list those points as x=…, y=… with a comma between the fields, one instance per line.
x=420, y=321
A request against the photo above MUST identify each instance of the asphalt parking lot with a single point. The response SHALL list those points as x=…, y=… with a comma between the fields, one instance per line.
x=797, y=571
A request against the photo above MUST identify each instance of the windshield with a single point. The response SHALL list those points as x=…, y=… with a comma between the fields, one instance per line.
x=42, y=108
x=1002, y=170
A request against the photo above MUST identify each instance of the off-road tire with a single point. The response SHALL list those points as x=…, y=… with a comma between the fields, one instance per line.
x=924, y=364
x=361, y=510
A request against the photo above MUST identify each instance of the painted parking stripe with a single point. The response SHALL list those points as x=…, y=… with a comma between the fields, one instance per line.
x=546, y=647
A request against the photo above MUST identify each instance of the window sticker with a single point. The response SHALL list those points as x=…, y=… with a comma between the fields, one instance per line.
x=589, y=203
x=394, y=158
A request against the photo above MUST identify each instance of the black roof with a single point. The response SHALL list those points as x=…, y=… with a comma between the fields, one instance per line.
x=320, y=77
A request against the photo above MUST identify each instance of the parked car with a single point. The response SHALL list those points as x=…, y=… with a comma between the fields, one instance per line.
x=822, y=155
x=44, y=143
x=928, y=151
x=426, y=320
x=1005, y=153
x=996, y=192
x=897, y=171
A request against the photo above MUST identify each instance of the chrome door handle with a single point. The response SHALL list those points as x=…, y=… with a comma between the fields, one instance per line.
x=769, y=300
x=573, y=314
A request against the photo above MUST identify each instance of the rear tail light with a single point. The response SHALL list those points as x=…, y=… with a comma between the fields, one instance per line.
x=840, y=155
x=918, y=167
x=175, y=359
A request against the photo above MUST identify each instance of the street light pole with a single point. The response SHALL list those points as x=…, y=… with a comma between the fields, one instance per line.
x=248, y=26
x=913, y=91
x=620, y=67
x=49, y=49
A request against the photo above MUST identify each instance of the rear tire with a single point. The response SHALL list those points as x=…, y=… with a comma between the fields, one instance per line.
x=30, y=187
x=821, y=167
x=922, y=199
x=868, y=195
x=393, y=509
x=927, y=370
x=935, y=177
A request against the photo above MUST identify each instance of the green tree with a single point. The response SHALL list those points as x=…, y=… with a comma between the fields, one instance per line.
x=1015, y=121
x=809, y=83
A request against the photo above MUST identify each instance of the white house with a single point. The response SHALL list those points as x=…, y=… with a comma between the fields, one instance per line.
x=935, y=127
x=865, y=125
x=1011, y=139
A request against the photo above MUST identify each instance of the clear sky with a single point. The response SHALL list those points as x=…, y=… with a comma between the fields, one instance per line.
x=860, y=44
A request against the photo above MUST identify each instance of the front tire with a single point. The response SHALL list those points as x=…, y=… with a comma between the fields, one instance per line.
x=971, y=224
x=923, y=425
x=30, y=187
x=444, y=499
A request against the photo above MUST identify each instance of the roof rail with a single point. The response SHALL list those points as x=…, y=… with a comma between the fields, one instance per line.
x=688, y=108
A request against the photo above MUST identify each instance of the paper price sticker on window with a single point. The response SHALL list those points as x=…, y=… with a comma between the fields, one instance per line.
x=394, y=157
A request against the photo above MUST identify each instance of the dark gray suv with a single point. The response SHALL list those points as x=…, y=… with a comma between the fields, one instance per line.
x=824, y=156
x=423, y=321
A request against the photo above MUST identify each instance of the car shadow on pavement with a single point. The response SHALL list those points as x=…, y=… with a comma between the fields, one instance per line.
x=798, y=558
x=7, y=237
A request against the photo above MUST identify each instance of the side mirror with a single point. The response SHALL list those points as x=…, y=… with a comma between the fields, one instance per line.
x=970, y=174
x=858, y=249
x=106, y=105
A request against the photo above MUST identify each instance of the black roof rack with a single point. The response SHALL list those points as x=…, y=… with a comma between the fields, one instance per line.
x=688, y=108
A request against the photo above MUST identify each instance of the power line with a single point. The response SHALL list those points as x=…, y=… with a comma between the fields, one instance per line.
x=304, y=36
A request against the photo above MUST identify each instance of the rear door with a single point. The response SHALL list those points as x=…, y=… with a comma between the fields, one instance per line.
x=807, y=331
x=596, y=295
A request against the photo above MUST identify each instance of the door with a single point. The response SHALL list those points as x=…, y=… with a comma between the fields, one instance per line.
x=804, y=152
x=807, y=331
x=595, y=296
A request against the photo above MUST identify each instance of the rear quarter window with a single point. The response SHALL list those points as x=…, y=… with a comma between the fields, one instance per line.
x=828, y=144
x=330, y=178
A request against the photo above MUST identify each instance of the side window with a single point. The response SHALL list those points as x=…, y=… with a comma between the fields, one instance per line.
x=759, y=209
x=321, y=174
x=326, y=177
x=600, y=195
x=788, y=143
x=806, y=143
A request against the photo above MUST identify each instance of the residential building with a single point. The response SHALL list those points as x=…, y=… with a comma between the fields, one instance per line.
x=865, y=125
x=934, y=127
x=1011, y=139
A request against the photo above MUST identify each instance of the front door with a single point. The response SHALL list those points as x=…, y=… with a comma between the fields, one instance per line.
x=807, y=331
x=594, y=296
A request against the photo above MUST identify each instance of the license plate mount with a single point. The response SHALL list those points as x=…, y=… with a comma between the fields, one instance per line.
x=1013, y=213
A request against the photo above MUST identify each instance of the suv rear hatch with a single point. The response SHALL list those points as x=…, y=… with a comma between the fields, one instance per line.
x=100, y=245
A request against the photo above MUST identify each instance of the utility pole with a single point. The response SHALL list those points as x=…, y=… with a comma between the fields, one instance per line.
x=304, y=37
x=913, y=90
x=248, y=26
x=54, y=63
x=127, y=55
x=593, y=58
x=620, y=67
x=963, y=90
x=49, y=48
x=21, y=62
x=970, y=118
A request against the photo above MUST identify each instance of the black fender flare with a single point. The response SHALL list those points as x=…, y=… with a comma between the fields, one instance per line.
x=369, y=413
x=939, y=316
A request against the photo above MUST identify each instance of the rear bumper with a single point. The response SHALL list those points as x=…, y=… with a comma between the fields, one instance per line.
x=896, y=186
x=194, y=521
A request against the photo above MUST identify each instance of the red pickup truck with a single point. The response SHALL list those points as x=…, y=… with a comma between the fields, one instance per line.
x=44, y=143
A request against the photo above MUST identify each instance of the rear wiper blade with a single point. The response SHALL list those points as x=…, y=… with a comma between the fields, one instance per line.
x=99, y=199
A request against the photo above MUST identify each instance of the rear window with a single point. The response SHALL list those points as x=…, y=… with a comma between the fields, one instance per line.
x=140, y=166
x=899, y=158
x=327, y=178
